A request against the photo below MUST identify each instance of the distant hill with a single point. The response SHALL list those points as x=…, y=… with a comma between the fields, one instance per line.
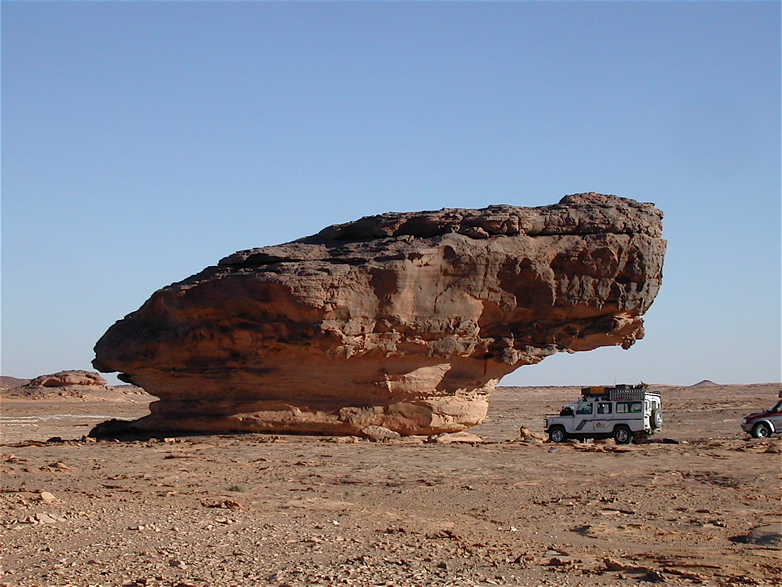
x=704, y=383
x=11, y=382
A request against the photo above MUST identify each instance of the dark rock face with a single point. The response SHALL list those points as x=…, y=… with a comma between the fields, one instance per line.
x=402, y=321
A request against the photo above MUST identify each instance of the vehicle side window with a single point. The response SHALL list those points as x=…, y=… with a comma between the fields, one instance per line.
x=603, y=408
x=628, y=407
x=584, y=409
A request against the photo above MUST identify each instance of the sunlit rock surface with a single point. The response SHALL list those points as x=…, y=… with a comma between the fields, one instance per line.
x=69, y=379
x=403, y=321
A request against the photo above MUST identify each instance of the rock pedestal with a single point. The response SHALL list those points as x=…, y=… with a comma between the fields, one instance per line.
x=404, y=321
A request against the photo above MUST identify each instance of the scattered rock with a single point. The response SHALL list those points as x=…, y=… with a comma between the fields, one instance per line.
x=379, y=433
x=47, y=497
x=44, y=518
x=56, y=466
x=775, y=449
x=448, y=438
x=611, y=565
x=227, y=504
x=343, y=439
x=768, y=535
x=493, y=514
x=527, y=434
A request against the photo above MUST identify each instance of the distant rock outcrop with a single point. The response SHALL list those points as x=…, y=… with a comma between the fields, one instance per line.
x=69, y=379
x=7, y=382
x=704, y=383
x=403, y=321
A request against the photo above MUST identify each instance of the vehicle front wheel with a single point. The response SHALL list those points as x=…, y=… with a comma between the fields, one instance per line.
x=761, y=430
x=622, y=435
x=557, y=434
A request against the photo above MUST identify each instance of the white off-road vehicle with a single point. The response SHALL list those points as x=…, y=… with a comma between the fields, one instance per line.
x=622, y=412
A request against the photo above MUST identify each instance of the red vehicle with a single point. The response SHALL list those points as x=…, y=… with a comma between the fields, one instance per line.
x=764, y=424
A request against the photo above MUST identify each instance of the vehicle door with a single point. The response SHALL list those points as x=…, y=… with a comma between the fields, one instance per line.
x=775, y=416
x=630, y=413
x=583, y=420
x=604, y=415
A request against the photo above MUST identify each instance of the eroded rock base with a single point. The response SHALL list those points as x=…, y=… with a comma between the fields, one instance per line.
x=421, y=417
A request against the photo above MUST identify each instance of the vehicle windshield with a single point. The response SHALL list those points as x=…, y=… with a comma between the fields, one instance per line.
x=777, y=407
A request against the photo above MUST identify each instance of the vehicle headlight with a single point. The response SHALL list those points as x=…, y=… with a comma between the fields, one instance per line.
x=743, y=420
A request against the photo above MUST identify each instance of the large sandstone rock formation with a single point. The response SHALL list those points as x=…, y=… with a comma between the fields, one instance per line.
x=70, y=378
x=404, y=321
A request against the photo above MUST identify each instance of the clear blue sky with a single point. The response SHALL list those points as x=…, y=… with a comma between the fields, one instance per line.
x=143, y=141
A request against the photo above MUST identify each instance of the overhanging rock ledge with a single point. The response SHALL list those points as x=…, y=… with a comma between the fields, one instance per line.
x=405, y=321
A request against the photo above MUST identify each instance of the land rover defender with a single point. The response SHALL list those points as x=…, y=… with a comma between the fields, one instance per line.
x=622, y=412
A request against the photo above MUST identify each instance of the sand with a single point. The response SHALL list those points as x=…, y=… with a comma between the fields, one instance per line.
x=700, y=505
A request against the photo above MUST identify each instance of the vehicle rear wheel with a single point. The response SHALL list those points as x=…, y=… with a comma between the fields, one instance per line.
x=622, y=435
x=557, y=434
x=761, y=430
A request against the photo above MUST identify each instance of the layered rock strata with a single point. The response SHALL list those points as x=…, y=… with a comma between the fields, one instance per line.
x=404, y=321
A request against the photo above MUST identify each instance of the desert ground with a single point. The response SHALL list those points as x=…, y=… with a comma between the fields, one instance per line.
x=699, y=505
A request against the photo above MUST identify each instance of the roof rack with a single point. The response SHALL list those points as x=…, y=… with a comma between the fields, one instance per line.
x=616, y=392
x=635, y=393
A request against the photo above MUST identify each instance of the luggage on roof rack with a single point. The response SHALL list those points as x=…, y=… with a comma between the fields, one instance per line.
x=633, y=391
x=593, y=391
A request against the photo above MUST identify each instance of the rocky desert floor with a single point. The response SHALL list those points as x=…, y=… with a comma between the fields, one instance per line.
x=700, y=505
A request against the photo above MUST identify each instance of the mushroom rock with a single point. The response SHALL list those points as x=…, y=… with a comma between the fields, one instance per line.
x=403, y=321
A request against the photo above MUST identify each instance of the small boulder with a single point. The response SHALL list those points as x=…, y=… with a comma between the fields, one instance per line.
x=527, y=434
x=47, y=497
x=448, y=438
x=768, y=535
x=379, y=433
